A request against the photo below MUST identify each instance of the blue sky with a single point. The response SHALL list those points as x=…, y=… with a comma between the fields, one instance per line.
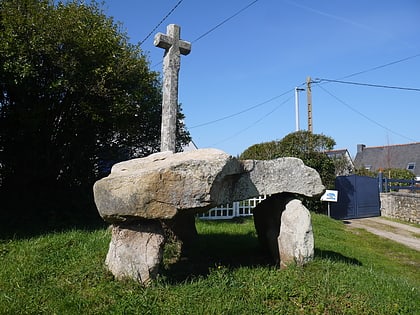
x=247, y=68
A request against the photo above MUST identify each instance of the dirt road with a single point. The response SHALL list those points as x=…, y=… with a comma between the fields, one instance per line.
x=398, y=232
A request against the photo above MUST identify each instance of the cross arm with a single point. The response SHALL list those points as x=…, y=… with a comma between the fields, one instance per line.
x=184, y=47
x=164, y=41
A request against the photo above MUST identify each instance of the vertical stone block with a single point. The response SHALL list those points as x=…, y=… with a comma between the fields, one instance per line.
x=135, y=251
x=296, y=239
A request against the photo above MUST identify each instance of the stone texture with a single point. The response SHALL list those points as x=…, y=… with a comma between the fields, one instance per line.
x=286, y=174
x=173, y=46
x=296, y=239
x=401, y=205
x=267, y=217
x=135, y=251
x=160, y=185
x=163, y=184
x=159, y=195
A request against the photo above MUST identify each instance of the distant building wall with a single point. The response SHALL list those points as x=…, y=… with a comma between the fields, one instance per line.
x=402, y=206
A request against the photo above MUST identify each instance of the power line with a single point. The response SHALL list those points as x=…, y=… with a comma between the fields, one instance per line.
x=379, y=67
x=255, y=122
x=242, y=111
x=163, y=20
x=368, y=84
x=224, y=21
x=374, y=68
x=363, y=115
x=212, y=29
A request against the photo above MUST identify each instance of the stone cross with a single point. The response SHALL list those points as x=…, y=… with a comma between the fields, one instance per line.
x=173, y=46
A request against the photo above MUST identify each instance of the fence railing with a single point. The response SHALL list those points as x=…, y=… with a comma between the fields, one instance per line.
x=390, y=184
x=235, y=209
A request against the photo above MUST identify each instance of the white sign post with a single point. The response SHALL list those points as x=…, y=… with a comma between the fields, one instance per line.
x=330, y=196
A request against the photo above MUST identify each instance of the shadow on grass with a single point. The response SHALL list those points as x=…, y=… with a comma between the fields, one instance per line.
x=42, y=208
x=334, y=256
x=24, y=226
x=210, y=251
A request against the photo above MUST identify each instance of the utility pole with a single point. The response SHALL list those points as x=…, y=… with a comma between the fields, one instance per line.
x=297, y=90
x=309, y=98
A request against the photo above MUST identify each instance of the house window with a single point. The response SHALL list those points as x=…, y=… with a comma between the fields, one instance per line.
x=411, y=166
x=368, y=167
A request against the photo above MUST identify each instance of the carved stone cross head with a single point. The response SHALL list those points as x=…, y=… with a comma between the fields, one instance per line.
x=172, y=40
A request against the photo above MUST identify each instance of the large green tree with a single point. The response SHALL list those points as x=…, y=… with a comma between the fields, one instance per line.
x=75, y=96
x=305, y=145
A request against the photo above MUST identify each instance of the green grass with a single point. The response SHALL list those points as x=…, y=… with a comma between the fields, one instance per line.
x=402, y=221
x=354, y=272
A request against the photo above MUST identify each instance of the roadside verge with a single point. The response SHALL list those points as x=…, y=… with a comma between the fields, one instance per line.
x=402, y=233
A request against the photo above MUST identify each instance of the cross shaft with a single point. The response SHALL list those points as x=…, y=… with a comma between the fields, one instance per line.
x=174, y=47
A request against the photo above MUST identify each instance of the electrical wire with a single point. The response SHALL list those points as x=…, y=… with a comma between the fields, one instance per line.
x=224, y=21
x=379, y=67
x=254, y=123
x=163, y=20
x=210, y=30
x=314, y=81
x=367, y=84
x=318, y=81
x=241, y=112
x=369, y=70
x=363, y=115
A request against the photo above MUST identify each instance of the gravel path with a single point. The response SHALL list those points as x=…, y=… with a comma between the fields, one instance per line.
x=402, y=233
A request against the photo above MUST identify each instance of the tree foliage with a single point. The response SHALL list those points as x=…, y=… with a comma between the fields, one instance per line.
x=398, y=173
x=365, y=172
x=293, y=144
x=342, y=165
x=391, y=173
x=305, y=145
x=261, y=151
x=75, y=96
x=302, y=142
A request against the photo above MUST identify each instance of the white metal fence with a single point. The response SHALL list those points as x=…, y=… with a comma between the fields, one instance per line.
x=236, y=209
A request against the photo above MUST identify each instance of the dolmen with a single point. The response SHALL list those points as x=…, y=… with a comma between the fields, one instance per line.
x=146, y=199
